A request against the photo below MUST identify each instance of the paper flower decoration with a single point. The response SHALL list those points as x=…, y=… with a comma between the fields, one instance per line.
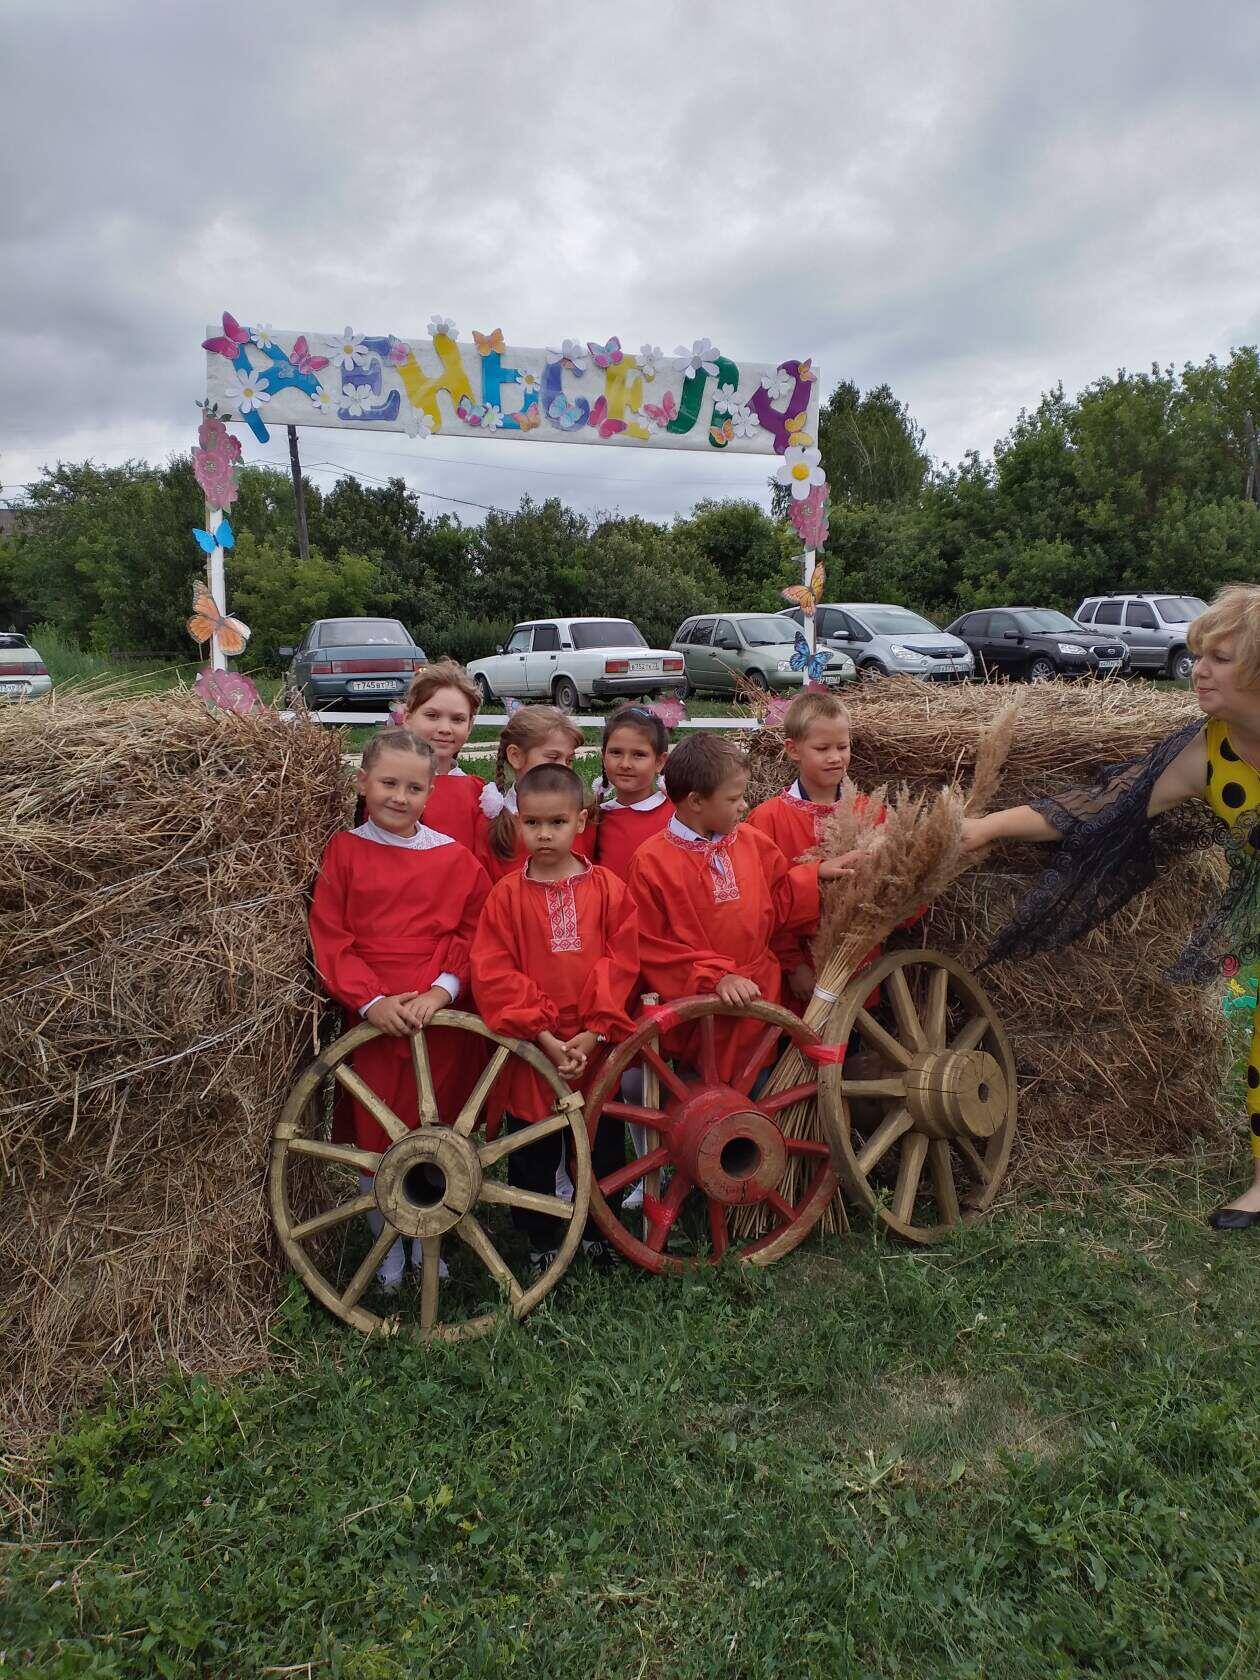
x=778, y=385
x=774, y=711
x=528, y=382
x=670, y=712
x=262, y=337
x=809, y=515
x=441, y=326
x=357, y=397
x=348, y=350
x=492, y=419
x=214, y=463
x=571, y=354
x=724, y=402
x=744, y=423
x=649, y=359
x=702, y=357
x=398, y=351
x=418, y=424
x=323, y=400
x=247, y=391
x=800, y=472
x=228, y=691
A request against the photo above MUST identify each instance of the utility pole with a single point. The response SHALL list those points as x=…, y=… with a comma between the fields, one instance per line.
x=299, y=495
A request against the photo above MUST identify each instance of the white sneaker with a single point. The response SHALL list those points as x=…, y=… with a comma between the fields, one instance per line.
x=389, y=1274
x=632, y=1201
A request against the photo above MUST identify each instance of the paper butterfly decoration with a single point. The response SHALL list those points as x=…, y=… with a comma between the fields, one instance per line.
x=605, y=355
x=229, y=343
x=228, y=691
x=567, y=415
x=775, y=711
x=809, y=516
x=207, y=622
x=489, y=342
x=723, y=432
x=813, y=664
x=601, y=420
x=301, y=357
x=664, y=411
x=807, y=597
x=796, y=433
x=207, y=542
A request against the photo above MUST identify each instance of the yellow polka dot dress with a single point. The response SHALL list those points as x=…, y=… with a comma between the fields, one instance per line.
x=1233, y=792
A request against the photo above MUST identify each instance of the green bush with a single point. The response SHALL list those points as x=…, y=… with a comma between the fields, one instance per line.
x=472, y=639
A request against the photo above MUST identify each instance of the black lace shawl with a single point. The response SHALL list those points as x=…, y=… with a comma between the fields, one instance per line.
x=1111, y=850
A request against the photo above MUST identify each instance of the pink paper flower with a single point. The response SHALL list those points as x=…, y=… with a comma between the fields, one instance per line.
x=775, y=712
x=228, y=691
x=216, y=474
x=809, y=515
x=670, y=712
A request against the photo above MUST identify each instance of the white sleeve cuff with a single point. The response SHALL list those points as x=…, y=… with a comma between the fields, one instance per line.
x=369, y=1003
x=450, y=983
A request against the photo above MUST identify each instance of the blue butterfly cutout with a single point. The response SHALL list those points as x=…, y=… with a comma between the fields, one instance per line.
x=567, y=415
x=222, y=538
x=813, y=664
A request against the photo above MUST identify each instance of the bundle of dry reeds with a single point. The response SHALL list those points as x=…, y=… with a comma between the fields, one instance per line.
x=155, y=860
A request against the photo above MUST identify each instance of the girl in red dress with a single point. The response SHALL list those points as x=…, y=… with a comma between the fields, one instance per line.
x=533, y=735
x=636, y=745
x=441, y=707
x=392, y=920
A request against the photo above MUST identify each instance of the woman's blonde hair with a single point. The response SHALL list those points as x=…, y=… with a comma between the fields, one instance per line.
x=431, y=679
x=1235, y=613
x=527, y=727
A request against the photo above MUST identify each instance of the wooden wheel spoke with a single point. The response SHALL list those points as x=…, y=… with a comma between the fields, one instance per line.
x=472, y=1232
x=334, y=1216
x=655, y=1119
x=894, y=1086
x=717, y=1229
x=947, y=1208
x=620, y=1177
x=344, y=1154
x=974, y=1159
x=746, y=1078
x=675, y=1196
x=425, y=1093
x=881, y=1140
x=661, y=1068
x=471, y=1111
x=972, y=1035
x=879, y=1038
x=381, y=1112
x=909, y=1173
x=780, y=1204
x=367, y=1266
x=708, y=1051
x=430, y=1280
x=779, y=1100
x=908, y=1023
x=489, y=1153
x=935, y=1020
x=509, y=1195
x=807, y=1146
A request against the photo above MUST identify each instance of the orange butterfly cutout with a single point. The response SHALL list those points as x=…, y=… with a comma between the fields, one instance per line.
x=796, y=432
x=528, y=418
x=806, y=371
x=208, y=621
x=807, y=597
x=486, y=342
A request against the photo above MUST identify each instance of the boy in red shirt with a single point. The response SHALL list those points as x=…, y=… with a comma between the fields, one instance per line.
x=712, y=894
x=556, y=960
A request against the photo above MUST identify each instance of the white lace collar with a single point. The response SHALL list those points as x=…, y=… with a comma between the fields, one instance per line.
x=423, y=840
x=653, y=802
x=492, y=801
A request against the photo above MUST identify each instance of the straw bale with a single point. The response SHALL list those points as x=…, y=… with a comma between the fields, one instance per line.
x=155, y=860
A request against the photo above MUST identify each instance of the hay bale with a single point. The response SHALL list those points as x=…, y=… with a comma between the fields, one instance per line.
x=1113, y=1060
x=155, y=861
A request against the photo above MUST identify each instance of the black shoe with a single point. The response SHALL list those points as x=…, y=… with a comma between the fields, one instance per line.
x=1232, y=1219
x=599, y=1253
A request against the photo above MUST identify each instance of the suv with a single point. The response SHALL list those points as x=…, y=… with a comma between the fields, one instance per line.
x=351, y=661
x=571, y=661
x=23, y=674
x=755, y=646
x=885, y=641
x=1153, y=627
x=1038, y=643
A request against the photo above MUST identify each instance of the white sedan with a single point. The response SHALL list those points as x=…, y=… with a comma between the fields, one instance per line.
x=23, y=674
x=572, y=661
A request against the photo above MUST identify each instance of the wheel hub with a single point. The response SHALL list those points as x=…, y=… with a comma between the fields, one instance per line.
x=957, y=1093
x=732, y=1151
x=427, y=1182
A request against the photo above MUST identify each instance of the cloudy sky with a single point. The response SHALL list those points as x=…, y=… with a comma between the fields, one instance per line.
x=968, y=199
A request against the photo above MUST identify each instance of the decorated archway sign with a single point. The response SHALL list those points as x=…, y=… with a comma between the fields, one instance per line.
x=579, y=391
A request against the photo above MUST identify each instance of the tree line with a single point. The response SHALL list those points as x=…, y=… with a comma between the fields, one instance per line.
x=1141, y=481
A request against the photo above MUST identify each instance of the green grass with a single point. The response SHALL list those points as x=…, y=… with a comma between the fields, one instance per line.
x=1032, y=1452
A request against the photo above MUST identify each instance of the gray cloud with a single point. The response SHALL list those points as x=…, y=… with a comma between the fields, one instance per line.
x=968, y=201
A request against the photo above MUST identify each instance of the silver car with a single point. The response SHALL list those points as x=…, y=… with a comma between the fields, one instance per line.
x=885, y=641
x=1153, y=628
x=719, y=649
x=23, y=674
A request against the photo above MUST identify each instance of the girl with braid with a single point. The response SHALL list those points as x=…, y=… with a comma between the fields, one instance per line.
x=533, y=735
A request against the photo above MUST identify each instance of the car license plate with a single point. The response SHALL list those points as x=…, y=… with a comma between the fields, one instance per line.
x=13, y=687
x=784, y=665
x=637, y=665
x=374, y=685
x=1107, y=664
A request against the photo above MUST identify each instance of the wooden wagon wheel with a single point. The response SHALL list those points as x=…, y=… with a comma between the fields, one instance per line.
x=715, y=1139
x=921, y=1113
x=434, y=1182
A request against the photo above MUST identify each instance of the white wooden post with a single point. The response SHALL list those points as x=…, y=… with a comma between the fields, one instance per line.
x=218, y=587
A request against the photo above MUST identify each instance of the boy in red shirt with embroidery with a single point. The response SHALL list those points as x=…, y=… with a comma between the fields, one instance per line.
x=712, y=894
x=556, y=960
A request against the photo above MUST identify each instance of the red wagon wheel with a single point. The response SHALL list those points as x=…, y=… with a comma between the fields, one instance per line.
x=440, y=1186
x=713, y=1139
x=921, y=1113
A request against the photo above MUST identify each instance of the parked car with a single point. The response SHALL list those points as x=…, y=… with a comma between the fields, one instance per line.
x=572, y=661
x=1038, y=643
x=23, y=674
x=758, y=647
x=1152, y=626
x=352, y=662
x=890, y=641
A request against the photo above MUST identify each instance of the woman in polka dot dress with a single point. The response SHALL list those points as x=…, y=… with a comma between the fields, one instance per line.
x=1105, y=853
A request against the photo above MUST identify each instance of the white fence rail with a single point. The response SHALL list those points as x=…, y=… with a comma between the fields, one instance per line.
x=585, y=721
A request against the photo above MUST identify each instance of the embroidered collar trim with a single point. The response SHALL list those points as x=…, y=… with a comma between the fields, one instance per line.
x=423, y=840
x=796, y=795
